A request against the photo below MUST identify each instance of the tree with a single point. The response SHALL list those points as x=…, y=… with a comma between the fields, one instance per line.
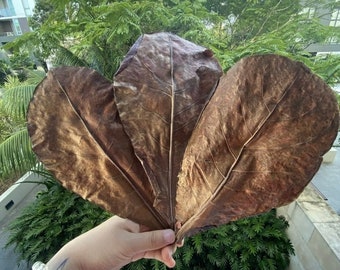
x=247, y=19
x=99, y=35
x=42, y=10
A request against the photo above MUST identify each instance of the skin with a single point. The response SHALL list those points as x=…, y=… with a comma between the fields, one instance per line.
x=113, y=244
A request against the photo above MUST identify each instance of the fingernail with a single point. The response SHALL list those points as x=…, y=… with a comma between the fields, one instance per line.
x=169, y=236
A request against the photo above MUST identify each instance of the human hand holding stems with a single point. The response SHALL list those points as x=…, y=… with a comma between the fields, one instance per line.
x=113, y=244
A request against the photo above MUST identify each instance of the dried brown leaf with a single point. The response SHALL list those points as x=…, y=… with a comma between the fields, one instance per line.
x=160, y=91
x=259, y=142
x=76, y=132
x=163, y=146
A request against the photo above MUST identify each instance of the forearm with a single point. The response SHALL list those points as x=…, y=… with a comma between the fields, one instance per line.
x=60, y=264
x=64, y=260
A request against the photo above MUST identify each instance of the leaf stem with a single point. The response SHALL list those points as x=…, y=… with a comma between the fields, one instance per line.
x=171, y=131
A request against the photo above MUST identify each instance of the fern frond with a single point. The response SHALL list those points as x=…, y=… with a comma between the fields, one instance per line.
x=16, y=155
x=258, y=226
x=157, y=265
x=12, y=81
x=138, y=265
x=16, y=100
x=214, y=257
x=198, y=243
x=188, y=254
x=35, y=76
x=65, y=57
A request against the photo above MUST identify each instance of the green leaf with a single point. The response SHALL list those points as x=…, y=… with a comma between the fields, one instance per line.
x=188, y=255
x=198, y=243
x=16, y=154
x=16, y=100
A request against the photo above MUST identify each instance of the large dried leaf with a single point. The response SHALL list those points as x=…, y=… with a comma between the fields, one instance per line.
x=163, y=146
x=160, y=91
x=258, y=143
x=76, y=132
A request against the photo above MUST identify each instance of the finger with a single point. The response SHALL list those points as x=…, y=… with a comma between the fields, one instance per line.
x=167, y=258
x=131, y=226
x=152, y=240
x=163, y=255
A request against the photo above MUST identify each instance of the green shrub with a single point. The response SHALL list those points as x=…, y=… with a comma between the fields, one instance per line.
x=254, y=243
x=53, y=219
x=57, y=216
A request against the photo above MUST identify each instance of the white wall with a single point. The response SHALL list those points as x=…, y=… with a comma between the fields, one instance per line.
x=314, y=230
x=23, y=8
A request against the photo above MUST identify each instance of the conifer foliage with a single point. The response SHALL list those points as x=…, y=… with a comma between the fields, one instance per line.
x=53, y=219
x=255, y=243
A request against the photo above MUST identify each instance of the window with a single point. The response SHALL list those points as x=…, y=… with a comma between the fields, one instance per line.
x=26, y=7
x=309, y=12
x=335, y=18
x=3, y=4
x=17, y=26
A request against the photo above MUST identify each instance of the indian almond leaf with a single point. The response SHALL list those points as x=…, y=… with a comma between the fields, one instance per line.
x=258, y=143
x=76, y=132
x=161, y=89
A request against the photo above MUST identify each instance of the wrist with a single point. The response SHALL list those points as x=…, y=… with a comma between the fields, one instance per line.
x=65, y=259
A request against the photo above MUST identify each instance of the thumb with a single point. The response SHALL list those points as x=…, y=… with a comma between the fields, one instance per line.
x=153, y=240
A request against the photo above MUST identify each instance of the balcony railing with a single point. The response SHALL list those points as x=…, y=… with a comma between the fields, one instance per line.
x=7, y=34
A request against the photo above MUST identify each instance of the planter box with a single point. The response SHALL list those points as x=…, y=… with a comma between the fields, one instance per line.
x=314, y=230
x=17, y=193
x=329, y=156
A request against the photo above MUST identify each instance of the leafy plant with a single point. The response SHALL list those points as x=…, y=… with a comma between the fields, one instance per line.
x=338, y=98
x=5, y=70
x=20, y=61
x=53, y=219
x=16, y=156
x=256, y=243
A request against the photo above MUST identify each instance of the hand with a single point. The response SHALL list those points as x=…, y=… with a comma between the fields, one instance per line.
x=113, y=244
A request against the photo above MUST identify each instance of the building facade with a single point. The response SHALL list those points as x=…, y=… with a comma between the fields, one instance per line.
x=327, y=16
x=14, y=18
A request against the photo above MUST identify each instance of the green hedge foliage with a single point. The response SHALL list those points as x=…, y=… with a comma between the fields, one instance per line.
x=57, y=216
